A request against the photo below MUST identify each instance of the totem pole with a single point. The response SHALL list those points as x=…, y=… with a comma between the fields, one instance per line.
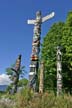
x=41, y=80
x=16, y=73
x=59, y=71
x=36, y=47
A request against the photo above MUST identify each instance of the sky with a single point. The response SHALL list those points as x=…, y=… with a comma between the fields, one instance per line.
x=16, y=35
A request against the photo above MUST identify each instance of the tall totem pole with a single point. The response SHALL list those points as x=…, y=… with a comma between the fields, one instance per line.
x=36, y=47
x=41, y=80
x=59, y=71
x=16, y=73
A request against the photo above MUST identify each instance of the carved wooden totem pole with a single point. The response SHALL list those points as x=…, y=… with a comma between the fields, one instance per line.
x=41, y=80
x=59, y=71
x=16, y=73
x=34, y=65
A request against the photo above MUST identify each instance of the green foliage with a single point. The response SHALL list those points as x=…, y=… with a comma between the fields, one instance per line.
x=22, y=82
x=10, y=72
x=49, y=54
x=59, y=34
x=67, y=58
x=69, y=19
x=14, y=76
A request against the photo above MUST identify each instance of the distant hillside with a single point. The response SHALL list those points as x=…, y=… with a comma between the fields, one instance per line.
x=3, y=87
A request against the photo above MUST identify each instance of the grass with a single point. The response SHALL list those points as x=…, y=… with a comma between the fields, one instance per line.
x=46, y=100
x=27, y=99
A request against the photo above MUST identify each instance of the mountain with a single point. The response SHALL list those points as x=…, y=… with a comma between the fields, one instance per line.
x=3, y=87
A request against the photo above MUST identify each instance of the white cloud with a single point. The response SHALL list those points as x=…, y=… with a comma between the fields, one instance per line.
x=4, y=79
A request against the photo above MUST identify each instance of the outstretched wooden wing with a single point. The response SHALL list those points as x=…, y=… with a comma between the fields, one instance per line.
x=48, y=17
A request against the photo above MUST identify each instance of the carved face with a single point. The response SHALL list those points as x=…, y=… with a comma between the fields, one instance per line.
x=38, y=15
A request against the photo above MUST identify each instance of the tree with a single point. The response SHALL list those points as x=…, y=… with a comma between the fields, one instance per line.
x=60, y=34
x=49, y=46
x=67, y=56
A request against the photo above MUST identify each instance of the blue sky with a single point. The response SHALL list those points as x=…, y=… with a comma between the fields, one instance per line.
x=16, y=35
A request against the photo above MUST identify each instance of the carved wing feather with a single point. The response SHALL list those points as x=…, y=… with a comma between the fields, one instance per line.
x=48, y=17
x=30, y=21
